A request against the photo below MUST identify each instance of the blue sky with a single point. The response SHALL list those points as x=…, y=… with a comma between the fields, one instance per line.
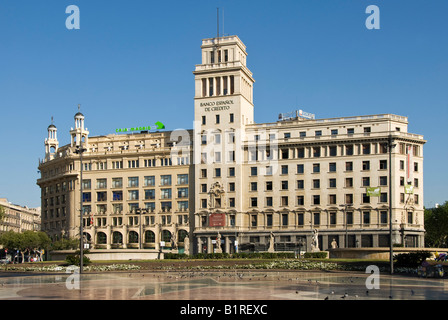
x=131, y=62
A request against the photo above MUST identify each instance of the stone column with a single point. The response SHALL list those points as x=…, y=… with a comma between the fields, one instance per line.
x=108, y=237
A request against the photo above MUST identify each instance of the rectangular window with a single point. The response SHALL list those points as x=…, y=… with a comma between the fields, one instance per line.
x=232, y=118
x=332, y=199
x=133, y=182
x=253, y=186
x=316, y=168
x=269, y=220
x=332, y=167
x=316, y=199
x=133, y=195
x=383, y=164
x=182, y=179
x=150, y=194
x=149, y=181
x=285, y=185
x=165, y=180
x=300, y=200
x=366, y=165
x=300, y=184
x=284, y=169
x=268, y=185
x=182, y=193
x=332, y=183
x=101, y=183
x=269, y=201
x=300, y=169
x=316, y=218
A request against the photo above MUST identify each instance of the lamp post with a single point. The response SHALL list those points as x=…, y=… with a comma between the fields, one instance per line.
x=80, y=150
x=391, y=250
x=345, y=217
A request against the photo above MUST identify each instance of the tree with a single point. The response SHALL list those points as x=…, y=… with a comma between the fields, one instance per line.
x=436, y=225
x=25, y=242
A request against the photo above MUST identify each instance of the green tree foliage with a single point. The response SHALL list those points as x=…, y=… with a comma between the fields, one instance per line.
x=436, y=225
x=26, y=242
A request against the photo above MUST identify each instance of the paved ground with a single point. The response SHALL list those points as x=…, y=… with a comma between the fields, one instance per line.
x=222, y=285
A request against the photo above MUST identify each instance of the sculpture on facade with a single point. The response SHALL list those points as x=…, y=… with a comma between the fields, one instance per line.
x=315, y=242
x=271, y=243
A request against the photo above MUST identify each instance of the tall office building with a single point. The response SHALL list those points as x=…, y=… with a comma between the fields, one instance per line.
x=239, y=185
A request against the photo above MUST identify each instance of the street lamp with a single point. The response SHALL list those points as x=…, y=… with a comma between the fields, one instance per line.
x=345, y=206
x=80, y=150
x=391, y=250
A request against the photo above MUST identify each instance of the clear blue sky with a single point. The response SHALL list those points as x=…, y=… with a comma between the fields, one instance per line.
x=131, y=63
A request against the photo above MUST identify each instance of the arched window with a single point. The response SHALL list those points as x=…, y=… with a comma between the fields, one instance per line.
x=150, y=237
x=133, y=237
x=117, y=237
x=101, y=238
x=181, y=234
x=166, y=236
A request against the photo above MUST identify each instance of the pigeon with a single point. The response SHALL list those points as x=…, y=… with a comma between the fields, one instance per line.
x=326, y=298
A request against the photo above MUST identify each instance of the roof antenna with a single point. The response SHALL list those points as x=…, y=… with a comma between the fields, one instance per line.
x=217, y=24
x=223, y=34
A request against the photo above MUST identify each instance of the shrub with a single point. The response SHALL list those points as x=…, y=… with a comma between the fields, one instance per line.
x=412, y=259
x=315, y=255
x=75, y=259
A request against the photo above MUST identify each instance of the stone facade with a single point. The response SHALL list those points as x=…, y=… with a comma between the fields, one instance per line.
x=235, y=185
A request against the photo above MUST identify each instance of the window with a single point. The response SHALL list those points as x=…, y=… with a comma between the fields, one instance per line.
x=269, y=220
x=284, y=219
x=318, y=133
x=253, y=171
x=349, y=150
x=300, y=184
x=182, y=179
x=332, y=183
x=302, y=134
x=268, y=185
x=182, y=206
x=287, y=135
x=349, y=182
x=150, y=194
x=165, y=180
x=300, y=219
x=367, y=130
x=101, y=196
x=349, y=166
x=332, y=167
x=253, y=202
x=316, y=167
x=416, y=166
x=332, y=218
x=217, y=172
x=217, y=118
x=217, y=138
x=133, y=195
x=204, y=139
x=133, y=163
x=365, y=181
x=101, y=183
x=349, y=217
x=300, y=200
x=383, y=180
x=204, y=121
x=316, y=183
x=349, y=198
x=86, y=197
x=284, y=201
x=253, y=220
x=366, y=217
x=117, y=195
x=410, y=217
x=182, y=193
x=301, y=153
x=316, y=199
x=203, y=173
x=316, y=152
x=232, y=202
x=350, y=130
x=383, y=217
x=383, y=164
x=133, y=182
x=285, y=169
x=383, y=197
x=232, y=118
x=334, y=132
x=333, y=151
x=86, y=184
x=316, y=218
x=253, y=186
x=300, y=169
x=285, y=153
x=232, y=186
x=204, y=203
x=365, y=198
x=285, y=185
x=269, y=202
x=366, y=165
x=366, y=148
x=231, y=172
x=332, y=199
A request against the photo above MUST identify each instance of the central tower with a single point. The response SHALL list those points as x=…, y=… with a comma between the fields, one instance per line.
x=223, y=106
